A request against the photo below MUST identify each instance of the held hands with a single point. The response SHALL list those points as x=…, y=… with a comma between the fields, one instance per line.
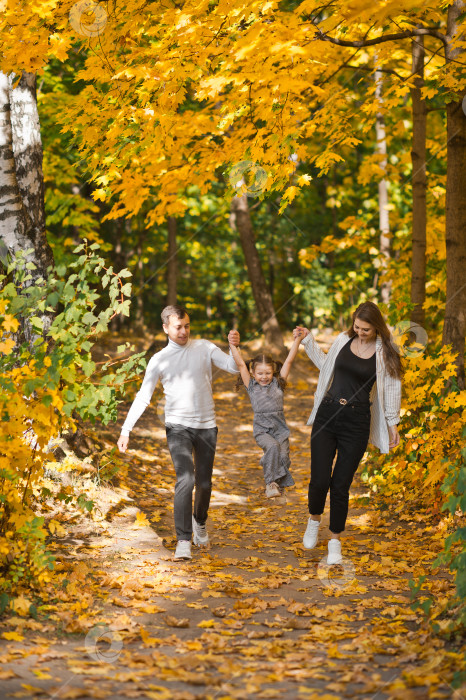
x=300, y=332
x=233, y=338
x=394, y=436
x=123, y=443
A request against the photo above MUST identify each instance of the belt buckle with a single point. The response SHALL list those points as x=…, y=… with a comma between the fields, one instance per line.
x=343, y=402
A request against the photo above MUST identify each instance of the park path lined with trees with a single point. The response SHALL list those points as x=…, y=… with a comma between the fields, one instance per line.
x=256, y=616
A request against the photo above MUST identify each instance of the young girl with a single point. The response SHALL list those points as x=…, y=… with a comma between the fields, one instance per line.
x=265, y=381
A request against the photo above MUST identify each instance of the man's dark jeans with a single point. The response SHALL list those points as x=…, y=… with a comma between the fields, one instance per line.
x=184, y=443
x=342, y=429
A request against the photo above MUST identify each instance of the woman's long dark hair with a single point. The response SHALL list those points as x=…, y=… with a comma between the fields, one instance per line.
x=370, y=313
x=263, y=360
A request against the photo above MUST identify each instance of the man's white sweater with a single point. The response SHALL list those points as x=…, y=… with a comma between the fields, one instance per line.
x=186, y=375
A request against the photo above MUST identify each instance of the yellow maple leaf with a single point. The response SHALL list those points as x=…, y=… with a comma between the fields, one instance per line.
x=12, y=636
x=304, y=179
x=7, y=345
x=21, y=605
x=10, y=323
x=141, y=520
x=59, y=46
x=205, y=624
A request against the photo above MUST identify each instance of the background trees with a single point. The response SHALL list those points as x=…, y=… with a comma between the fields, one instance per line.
x=158, y=103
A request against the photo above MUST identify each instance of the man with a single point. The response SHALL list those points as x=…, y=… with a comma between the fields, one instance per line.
x=184, y=367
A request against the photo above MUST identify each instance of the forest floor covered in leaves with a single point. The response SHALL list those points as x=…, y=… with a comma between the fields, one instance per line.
x=254, y=616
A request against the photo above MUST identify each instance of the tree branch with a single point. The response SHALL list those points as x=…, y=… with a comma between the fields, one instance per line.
x=372, y=70
x=407, y=34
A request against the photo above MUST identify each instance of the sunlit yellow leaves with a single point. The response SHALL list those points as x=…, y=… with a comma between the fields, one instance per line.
x=60, y=46
x=304, y=180
x=7, y=345
x=326, y=159
x=12, y=636
x=207, y=624
x=148, y=641
x=10, y=324
x=21, y=605
x=57, y=529
x=99, y=194
x=211, y=87
x=289, y=195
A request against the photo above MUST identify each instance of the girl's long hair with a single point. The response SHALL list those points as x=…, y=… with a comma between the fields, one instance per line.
x=263, y=360
x=370, y=313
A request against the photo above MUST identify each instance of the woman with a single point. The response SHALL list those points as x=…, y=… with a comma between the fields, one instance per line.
x=357, y=399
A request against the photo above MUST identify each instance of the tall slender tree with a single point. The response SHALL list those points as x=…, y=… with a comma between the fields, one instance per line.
x=27, y=151
x=419, y=184
x=384, y=215
x=241, y=220
x=454, y=329
x=172, y=265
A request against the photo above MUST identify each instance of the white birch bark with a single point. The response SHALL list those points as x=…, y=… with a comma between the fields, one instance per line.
x=13, y=218
x=384, y=220
x=27, y=151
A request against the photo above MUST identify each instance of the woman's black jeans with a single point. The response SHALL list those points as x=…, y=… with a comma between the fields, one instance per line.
x=343, y=430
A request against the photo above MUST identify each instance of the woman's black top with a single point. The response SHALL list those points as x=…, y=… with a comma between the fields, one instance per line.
x=353, y=376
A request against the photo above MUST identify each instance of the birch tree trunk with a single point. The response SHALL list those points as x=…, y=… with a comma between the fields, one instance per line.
x=419, y=184
x=241, y=220
x=14, y=223
x=384, y=222
x=172, y=267
x=454, y=328
x=27, y=151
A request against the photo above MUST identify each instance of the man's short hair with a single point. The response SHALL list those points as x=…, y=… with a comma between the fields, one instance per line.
x=173, y=310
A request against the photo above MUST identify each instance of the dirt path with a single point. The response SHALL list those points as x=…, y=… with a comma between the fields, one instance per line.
x=256, y=616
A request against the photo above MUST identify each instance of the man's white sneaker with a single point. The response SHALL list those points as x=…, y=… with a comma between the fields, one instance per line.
x=334, y=552
x=311, y=534
x=183, y=550
x=272, y=490
x=200, y=534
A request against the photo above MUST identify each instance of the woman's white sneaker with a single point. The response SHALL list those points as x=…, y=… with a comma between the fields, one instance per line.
x=200, y=534
x=311, y=534
x=183, y=550
x=334, y=552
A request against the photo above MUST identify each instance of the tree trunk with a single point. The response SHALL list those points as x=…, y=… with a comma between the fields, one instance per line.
x=19, y=228
x=241, y=220
x=13, y=218
x=27, y=151
x=139, y=319
x=172, y=265
x=384, y=223
x=419, y=184
x=454, y=329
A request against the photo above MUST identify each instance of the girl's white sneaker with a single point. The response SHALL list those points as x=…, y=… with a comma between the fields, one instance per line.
x=272, y=490
x=311, y=534
x=334, y=552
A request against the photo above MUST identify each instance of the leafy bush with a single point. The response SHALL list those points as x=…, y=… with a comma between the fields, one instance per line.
x=429, y=470
x=47, y=379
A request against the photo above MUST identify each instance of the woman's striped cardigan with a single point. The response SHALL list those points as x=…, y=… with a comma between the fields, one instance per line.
x=385, y=394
